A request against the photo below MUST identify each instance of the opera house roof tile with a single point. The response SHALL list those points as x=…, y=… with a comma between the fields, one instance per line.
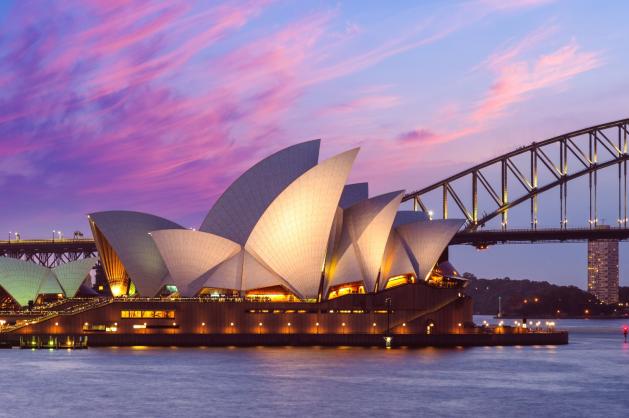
x=24, y=281
x=71, y=275
x=425, y=241
x=188, y=255
x=291, y=235
x=21, y=279
x=127, y=233
x=353, y=193
x=237, y=211
x=366, y=227
x=289, y=221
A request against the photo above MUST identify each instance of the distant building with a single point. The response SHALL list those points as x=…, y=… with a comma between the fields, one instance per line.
x=603, y=269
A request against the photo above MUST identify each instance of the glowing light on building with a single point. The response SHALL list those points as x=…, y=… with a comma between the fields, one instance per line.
x=116, y=290
x=400, y=280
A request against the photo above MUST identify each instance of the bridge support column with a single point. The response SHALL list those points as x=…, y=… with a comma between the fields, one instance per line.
x=534, y=187
x=505, y=194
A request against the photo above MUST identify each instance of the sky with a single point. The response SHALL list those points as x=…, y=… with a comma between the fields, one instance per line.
x=159, y=106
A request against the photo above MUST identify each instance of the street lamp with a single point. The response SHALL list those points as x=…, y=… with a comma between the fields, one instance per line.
x=373, y=328
x=289, y=328
x=343, y=325
x=317, y=324
x=259, y=327
x=387, y=302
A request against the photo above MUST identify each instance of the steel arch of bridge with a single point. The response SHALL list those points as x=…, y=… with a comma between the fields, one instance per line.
x=593, y=148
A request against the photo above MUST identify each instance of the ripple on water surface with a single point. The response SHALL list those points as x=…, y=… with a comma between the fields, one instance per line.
x=589, y=377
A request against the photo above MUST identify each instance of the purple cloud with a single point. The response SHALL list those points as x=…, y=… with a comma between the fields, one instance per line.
x=417, y=135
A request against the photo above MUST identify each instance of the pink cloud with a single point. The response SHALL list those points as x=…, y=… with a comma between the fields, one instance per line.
x=358, y=62
x=135, y=132
x=417, y=135
x=363, y=104
x=516, y=77
x=145, y=105
x=501, y=5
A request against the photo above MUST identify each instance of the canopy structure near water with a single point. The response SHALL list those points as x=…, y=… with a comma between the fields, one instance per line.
x=24, y=281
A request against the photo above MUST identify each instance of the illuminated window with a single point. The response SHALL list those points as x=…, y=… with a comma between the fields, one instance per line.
x=346, y=289
x=271, y=294
x=400, y=280
x=94, y=327
x=149, y=314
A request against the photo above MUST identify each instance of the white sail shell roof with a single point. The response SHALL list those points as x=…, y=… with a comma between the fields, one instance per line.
x=354, y=193
x=227, y=275
x=291, y=236
x=345, y=268
x=255, y=275
x=333, y=243
x=426, y=240
x=237, y=211
x=128, y=234
x=22, y=279
x=50, y=285
x=190, y=254
x=71, y=275
x=396, y=260
x=366, y=228
x=404, y=217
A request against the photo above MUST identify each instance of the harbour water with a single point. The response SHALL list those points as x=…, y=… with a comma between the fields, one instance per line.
x=589, y=377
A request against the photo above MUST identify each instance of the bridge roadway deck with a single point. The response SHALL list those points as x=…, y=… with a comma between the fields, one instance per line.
x=478, y=237
x=47, y=246
x=490, y=237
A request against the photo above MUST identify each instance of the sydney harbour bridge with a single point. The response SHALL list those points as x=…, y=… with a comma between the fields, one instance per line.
x=500, y=198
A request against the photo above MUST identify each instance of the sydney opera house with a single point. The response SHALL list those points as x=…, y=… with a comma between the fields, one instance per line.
x=288, y=249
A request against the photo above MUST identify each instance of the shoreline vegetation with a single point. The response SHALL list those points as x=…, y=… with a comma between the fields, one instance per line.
x=541, y=300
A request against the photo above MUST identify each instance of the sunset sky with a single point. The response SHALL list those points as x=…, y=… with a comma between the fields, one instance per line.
x=158, y=106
